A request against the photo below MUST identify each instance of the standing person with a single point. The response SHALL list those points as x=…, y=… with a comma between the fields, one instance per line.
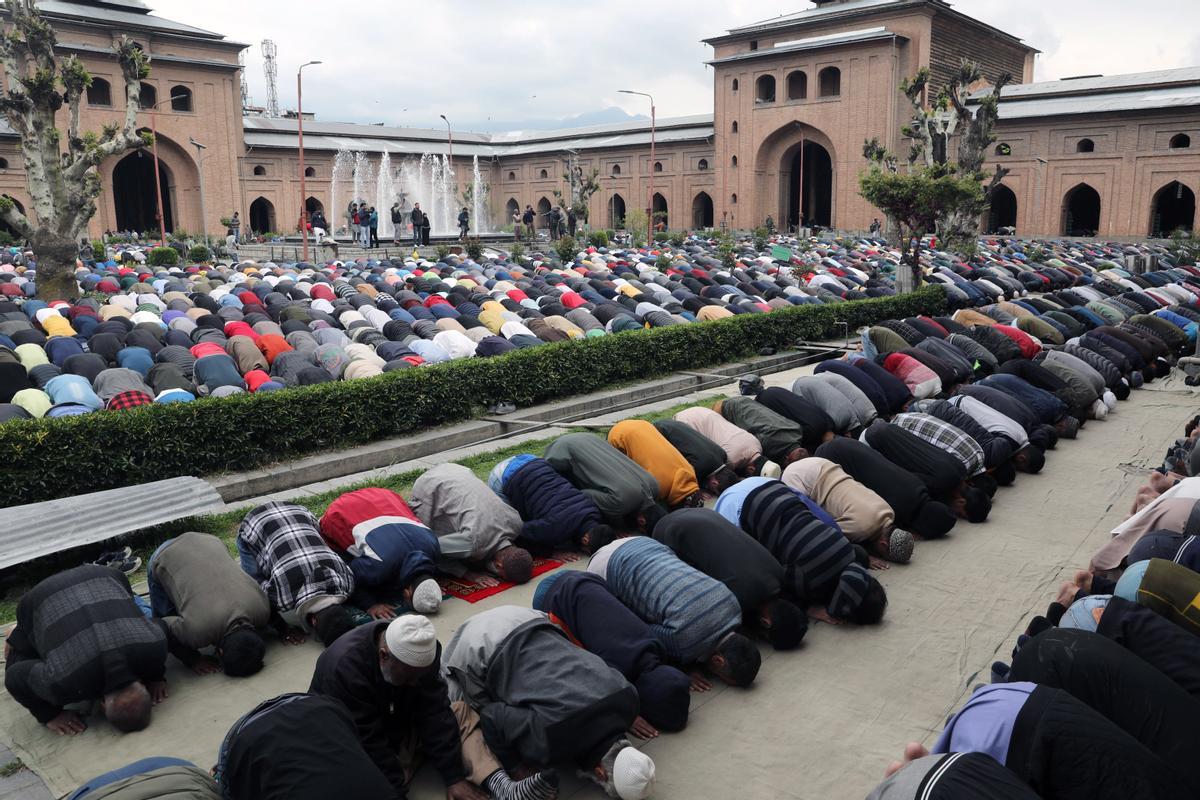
x=464, y=224
x=373, y=221
x=572, y=220
x=397, y=222
x=426, y=225
x=875, y=226
x=517, y=225
x=352, y=217
x=418, y=220
x=555, y=222
x=235, y=228
x=529, y=217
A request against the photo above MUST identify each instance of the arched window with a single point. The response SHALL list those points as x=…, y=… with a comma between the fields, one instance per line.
x=1180, y=141
x=797, y=86
x=829, y=82
x=1085, y=146
x=310, y=172
x=734, y=127
x=3, y=163
x=148, y=96
x=543, y=174
x=181, y=98
x=733, y=161
x=616, y=170
x=99, y=93
x=764, y=89
x=735, y=84
x=512, y=176
x=733, y=200
x=658, y=166
x=260, y=170
x=1004, y=149
x=702, y=164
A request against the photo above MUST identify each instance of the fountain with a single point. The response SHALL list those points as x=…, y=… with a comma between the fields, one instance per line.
x=343, y=164
x=385, y=195
x=479, y=199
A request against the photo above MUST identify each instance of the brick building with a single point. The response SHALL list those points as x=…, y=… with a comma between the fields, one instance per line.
x=794, y=98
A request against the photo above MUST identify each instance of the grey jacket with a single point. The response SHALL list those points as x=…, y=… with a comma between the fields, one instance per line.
x=469, y=519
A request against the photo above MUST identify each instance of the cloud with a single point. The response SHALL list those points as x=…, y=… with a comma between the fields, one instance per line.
x=477, y=59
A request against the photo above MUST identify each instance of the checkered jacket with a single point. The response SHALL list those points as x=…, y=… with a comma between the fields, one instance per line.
x=945, y=436
x=127, y=400
x=295, y=565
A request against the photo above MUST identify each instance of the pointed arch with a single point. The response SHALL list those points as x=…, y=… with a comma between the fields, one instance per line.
x=262, y=215
x=702, y=211
x=616, y=212
x=1081, y=211
x=1173, y=209
x=1003, y=211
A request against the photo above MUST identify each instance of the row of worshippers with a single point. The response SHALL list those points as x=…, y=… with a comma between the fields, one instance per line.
x=1102, y=692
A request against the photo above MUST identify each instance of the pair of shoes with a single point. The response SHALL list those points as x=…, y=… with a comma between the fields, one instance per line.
x=122, y=560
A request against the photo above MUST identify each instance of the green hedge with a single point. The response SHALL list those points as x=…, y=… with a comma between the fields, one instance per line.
x=49, y=458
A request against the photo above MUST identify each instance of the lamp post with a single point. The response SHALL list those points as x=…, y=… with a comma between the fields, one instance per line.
x=200, y=159
x=450, y=163
x=158, y=210
x=653, y=131
x=300, y=133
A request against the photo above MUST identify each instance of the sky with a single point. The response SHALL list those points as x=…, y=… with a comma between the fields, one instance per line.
x=480, y=61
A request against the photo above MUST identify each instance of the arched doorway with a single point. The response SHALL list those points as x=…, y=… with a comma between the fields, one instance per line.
x=661, y=212
x=702, y=211
x=809, y=170
x=510, y=208
x=543, y=212
x=262, y=215
x=312, y=205
x=134, y=197
x=1003, y=213
x=616, y=212
x=1174, y=208
x=1081, y=211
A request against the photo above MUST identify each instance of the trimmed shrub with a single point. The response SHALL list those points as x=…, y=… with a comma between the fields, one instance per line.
x=566, y=249
x=163, y=257
x=474, y=248
x=598, y=239
x=98, y=251
x=443, y=250
x=199, y=254
x=49, y=458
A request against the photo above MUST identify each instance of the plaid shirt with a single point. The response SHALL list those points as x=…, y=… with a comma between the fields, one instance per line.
x=946, y=437
x=295, y=565
x=127, y=400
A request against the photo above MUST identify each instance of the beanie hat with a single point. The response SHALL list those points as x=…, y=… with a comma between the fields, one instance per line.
x=1109, y=399
x=412, y=640
x=900, y=546
x=851, y=589
x=770, y=470
x=633, y=774
x=1080, y=615
x=543, y=589
x=1099, y=410
x=427, y=597
x=933, y=520
x=664, y=694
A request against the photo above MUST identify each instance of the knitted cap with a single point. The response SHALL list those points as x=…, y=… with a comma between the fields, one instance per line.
x=770, y=470
x=633, y=774
x=427, y=597
x=900, y=546
x=412, y=640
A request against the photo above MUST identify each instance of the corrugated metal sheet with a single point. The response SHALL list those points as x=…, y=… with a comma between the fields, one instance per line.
x=1146, y=100
x=40, y=529
x=815, y=43
x=813, y=13
x=1104, y=83
x=119, y=18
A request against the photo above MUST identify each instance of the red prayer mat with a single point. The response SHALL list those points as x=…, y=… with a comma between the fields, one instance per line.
x=473, y=593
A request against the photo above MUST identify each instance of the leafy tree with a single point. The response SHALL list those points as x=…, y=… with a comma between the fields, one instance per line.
x=933, y=194
x=580, y=191
x=63, y=182
x=637, y=225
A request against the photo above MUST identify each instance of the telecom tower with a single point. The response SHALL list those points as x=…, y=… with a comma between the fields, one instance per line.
x=245, y=86
x=270, y=68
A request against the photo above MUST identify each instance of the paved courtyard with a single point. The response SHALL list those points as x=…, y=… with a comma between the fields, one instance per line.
x=819, y=723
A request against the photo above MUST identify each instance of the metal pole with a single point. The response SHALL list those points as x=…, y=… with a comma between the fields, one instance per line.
x=800, y=221
x=450, y=163
x=653, y=136
x=158, y=211
x=203, y=211
x=300, y=132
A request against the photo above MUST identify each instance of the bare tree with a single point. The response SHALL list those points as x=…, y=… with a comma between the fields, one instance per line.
x=63, y=182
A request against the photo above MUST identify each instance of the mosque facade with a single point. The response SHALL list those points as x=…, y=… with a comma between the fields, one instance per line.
x=794, y=98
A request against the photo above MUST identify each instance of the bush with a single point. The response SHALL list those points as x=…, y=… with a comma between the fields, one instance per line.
x=567, y=249
x=163, y=257
x=662, y=237
x=516, y=252
x=442, y=250
x=677, y=238
x=98, y=251
x=49, y=458
x=663, y=262
x=474, y=248
x=598, y=238
x=199, y=254
x=761, y=236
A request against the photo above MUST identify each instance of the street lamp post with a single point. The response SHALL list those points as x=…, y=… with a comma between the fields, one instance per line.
x=158, y=211
x=450, y=163
x=200, y=158
x=300, y=133
x=653, y=132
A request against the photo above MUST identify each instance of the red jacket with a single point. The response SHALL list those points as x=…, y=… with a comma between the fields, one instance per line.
x=352, y=508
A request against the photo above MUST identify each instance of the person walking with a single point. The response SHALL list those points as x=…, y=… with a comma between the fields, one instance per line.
x=397, y=222
x=373, y=222
x=464, y=224
x=418, y=220
x=572, y=221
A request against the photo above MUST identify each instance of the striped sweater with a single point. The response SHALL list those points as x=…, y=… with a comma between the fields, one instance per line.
x=688, y=612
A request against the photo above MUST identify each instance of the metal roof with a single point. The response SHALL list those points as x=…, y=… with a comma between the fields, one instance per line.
x=814, y=13
x=281, y=133
x=814, y=43
x=1103, y=83
x=40, y=529
x=1099, y=103
x=119, y=18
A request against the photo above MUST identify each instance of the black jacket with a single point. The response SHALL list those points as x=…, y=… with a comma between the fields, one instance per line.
x=1154, y=639
x=384, y=714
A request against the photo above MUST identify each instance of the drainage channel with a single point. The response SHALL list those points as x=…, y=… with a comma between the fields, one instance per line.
x=494, y=429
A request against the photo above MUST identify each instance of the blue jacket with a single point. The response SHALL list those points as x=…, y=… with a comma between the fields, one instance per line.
x=554, y=511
